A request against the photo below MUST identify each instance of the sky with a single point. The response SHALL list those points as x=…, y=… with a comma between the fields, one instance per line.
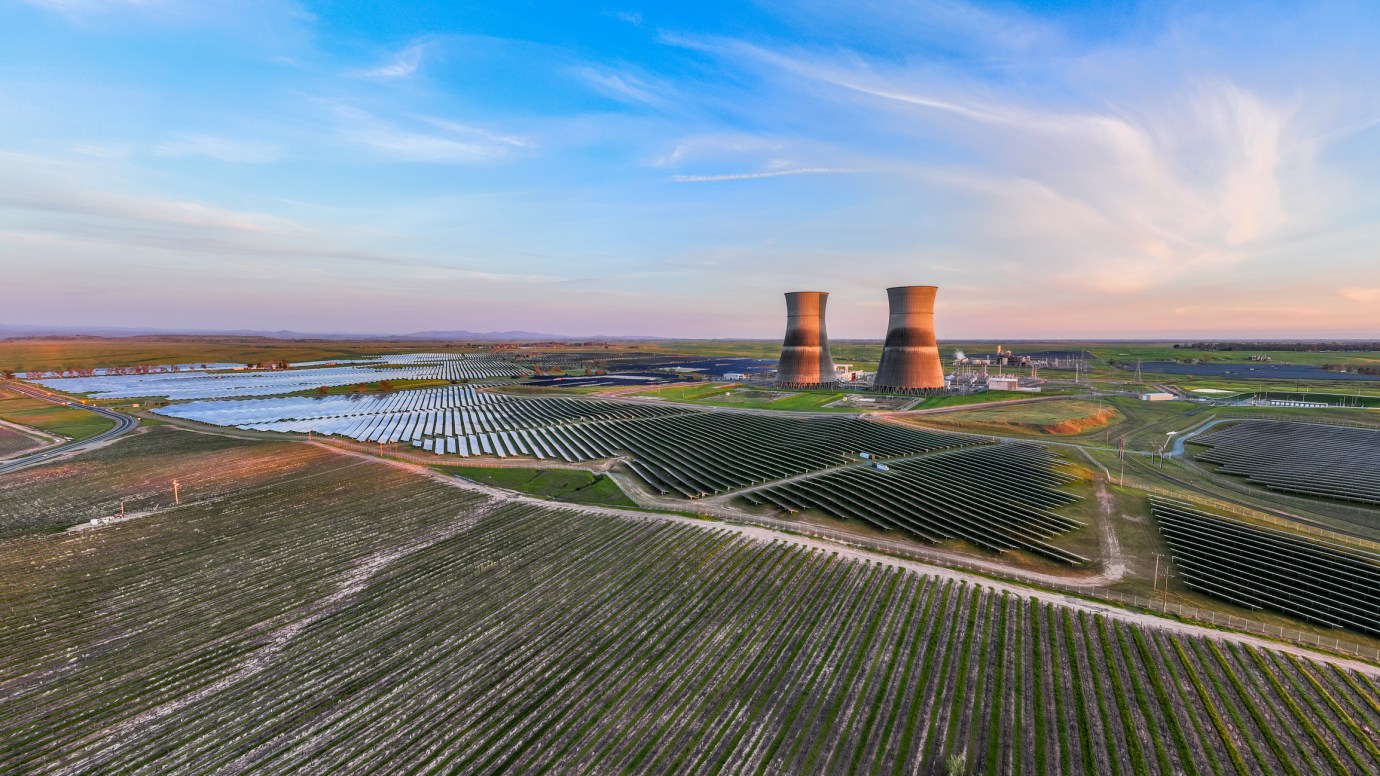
x=1058, y=169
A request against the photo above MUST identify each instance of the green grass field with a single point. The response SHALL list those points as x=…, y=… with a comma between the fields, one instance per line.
x=573, y=485
x=71, y=422
x=1058, y=418
x=728, y=395
x=958, y=400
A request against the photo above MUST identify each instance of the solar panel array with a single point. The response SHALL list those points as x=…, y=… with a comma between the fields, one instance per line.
x=1001, y=497
x=1337, y=462
x=675, y=450
x=1264, y=568
x=460, y=413
x=180, y=386
x=697, y=454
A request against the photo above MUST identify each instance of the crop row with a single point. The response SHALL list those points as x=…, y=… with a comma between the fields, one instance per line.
x=1329, y=461
x=372, y=621
x=138, y=472
x=1000, y=497
x=1264, y=568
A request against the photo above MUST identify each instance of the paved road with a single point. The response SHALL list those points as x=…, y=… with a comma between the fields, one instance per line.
x=123, y=424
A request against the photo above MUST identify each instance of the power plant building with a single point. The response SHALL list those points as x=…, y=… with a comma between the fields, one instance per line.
x=805, y=360
x=910, y=356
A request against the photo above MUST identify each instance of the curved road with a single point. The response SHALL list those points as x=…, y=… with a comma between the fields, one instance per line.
x=123, y=424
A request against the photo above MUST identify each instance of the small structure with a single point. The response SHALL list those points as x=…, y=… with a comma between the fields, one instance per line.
x=1003, y=384
x=1157, y=396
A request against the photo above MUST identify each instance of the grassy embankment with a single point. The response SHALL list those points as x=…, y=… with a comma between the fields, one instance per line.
x=70, y=422
x=576, y=486
x=1054, y=418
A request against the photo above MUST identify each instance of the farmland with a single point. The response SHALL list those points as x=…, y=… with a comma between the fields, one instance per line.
x=368, y=619
x=574, y=485
x=138, y=473
x=14, y=441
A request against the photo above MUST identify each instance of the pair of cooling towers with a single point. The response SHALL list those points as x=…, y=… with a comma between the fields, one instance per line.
x=910, y=356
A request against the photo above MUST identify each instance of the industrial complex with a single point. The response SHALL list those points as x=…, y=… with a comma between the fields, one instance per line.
x=910, y=357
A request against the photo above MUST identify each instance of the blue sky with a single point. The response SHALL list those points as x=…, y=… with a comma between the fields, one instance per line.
x=1058, y=169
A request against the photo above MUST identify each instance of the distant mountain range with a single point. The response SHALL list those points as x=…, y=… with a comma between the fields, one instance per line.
x=10, y=330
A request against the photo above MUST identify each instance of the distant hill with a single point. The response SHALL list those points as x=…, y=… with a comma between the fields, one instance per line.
x=21, y=330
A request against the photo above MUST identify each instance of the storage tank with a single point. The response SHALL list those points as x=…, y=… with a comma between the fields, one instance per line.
x=805, y=360
x=910, y=357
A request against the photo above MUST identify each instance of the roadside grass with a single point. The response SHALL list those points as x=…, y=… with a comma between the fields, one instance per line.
x=71, y=422
x=574, y=485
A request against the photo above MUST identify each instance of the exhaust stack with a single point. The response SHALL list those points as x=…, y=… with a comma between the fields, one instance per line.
x=910, y=358
x=805, y=360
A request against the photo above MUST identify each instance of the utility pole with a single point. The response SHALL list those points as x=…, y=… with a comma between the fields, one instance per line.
x=1165, y=606
x=177, y=499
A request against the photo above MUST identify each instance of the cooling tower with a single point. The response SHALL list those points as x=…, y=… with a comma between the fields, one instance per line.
x=805, y=361
x=910, y=357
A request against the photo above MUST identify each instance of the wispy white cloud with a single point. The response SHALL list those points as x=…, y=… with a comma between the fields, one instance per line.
x=747, y=176
x=216, y=147
x=622, y=86
x=452, y=143
x=631, y=17
x=77, y=8
x=402, y=65
x=1145, y=195
x=1360, y=294
x=68, y=206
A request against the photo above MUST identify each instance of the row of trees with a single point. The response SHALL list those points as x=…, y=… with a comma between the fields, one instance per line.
x=1301, y=347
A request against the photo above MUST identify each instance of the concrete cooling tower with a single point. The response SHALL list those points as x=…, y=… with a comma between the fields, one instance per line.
x=910, y=357
x=805, y=361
